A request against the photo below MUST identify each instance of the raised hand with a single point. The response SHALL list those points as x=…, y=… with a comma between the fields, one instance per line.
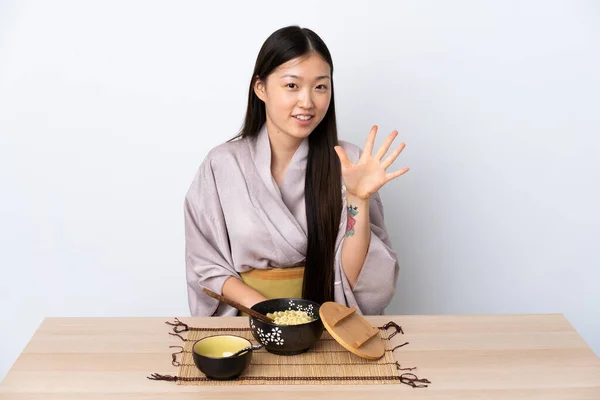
x=369, y=174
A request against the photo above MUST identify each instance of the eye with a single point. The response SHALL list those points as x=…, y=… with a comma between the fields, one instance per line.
x=322, y=87
x=292, y=85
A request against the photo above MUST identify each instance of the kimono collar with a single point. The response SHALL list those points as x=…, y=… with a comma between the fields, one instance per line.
x=262, y=159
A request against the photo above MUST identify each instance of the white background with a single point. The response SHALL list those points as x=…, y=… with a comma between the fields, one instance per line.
x=108, y=108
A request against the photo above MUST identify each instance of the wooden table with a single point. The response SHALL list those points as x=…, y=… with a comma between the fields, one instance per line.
x=465, y=357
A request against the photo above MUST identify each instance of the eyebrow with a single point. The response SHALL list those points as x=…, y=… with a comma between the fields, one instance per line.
x=299, y=78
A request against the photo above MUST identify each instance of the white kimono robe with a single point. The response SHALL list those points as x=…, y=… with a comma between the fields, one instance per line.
x=237, y=218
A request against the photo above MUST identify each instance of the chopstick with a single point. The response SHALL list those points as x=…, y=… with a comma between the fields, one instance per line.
x=238, y=306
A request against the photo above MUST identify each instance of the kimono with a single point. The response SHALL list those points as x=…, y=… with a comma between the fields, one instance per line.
x=238, y=218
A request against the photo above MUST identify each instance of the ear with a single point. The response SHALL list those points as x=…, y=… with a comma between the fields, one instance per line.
x=260, y=89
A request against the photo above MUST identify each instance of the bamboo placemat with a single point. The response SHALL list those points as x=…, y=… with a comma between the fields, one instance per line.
x=327, y=362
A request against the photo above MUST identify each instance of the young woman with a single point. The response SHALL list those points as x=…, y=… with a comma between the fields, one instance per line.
x=285, y=209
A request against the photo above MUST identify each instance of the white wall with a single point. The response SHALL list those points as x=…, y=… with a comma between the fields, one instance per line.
x=107, y=109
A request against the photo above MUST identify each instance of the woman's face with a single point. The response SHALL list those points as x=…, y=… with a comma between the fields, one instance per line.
x=296, y=95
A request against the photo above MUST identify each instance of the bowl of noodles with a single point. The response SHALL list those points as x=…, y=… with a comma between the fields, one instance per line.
x=297, y=325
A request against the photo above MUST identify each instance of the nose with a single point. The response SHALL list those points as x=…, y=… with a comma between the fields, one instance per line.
x=305, y=100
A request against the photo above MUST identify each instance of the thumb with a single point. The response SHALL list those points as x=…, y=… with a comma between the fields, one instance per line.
x=344, y=160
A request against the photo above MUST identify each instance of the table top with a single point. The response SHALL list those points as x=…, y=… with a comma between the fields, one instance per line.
x=464, y=356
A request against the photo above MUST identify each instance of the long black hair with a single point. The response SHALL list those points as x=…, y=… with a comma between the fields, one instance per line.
x=323, y=183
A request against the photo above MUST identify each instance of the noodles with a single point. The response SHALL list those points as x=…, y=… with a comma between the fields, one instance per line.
x=290, y=317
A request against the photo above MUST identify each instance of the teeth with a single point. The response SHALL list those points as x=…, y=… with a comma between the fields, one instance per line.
x=303, y=117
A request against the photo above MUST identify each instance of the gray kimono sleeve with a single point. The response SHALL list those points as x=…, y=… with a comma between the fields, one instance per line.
x=207, y=251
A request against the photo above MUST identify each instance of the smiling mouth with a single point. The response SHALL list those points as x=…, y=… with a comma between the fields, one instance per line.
x=304, y=117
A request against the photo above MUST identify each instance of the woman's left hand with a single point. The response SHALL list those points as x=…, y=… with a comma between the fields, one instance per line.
x=369, y=174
